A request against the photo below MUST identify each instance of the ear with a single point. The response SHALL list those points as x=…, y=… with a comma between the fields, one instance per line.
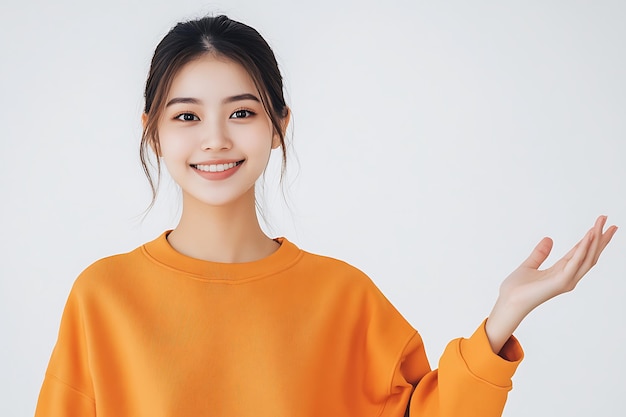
x=284, y=123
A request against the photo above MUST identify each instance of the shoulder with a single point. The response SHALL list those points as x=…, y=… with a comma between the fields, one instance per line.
x=347, y=281
x=334, y=268
x=349, y=294
x=107, y=270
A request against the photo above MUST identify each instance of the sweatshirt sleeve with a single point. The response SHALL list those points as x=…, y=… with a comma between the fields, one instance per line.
x=67, y=388
x=471, y=380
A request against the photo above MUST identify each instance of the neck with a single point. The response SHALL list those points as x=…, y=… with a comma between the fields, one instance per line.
x=228, y=234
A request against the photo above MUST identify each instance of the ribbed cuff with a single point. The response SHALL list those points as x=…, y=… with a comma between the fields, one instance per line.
x=483, y=363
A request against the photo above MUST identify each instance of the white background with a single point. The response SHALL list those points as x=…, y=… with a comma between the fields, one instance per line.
x=436, y=143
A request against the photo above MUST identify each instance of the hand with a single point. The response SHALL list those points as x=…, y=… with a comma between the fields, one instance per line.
x=528, y=287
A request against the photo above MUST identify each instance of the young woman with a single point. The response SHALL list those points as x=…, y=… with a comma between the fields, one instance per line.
x=214, y=318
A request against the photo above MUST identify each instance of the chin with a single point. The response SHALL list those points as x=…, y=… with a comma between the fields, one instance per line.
x=220, y=199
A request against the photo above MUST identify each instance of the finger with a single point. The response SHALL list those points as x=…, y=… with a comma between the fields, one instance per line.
x=539, y=254
x=597, y=242
x=604, y=241
x=584, y=255
x=607, y=236
x=573, y=265
x=571, y=252
x=597, y=226
x=597, y=232
x=590, y=256
x=596, y=247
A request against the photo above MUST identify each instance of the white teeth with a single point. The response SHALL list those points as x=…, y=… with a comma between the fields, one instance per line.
x=215, y=167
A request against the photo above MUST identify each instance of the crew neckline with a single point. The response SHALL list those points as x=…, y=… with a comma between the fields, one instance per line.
x=161, y=252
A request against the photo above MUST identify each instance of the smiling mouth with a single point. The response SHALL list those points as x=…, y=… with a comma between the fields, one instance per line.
x=217, y=167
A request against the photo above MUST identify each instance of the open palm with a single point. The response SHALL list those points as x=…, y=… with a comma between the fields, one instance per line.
x=528, y=287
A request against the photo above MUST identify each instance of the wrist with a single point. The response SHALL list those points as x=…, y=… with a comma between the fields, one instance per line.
x=502, y=322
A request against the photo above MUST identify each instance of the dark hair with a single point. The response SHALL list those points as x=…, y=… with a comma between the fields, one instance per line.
x=210, y=35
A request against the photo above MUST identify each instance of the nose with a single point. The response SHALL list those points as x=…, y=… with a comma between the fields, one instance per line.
x=215, y=137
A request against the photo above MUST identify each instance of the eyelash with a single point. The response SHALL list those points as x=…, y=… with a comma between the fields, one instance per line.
x=195, y=118
x=250, y=113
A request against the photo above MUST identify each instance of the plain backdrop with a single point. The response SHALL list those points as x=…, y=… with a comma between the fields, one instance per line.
x=433, y=145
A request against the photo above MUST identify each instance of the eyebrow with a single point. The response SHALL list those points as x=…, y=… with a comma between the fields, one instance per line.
x=184, y=100
x=241, y=97
x=231, y=99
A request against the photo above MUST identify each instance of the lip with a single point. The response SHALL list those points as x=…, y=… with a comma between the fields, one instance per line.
x=218, y=175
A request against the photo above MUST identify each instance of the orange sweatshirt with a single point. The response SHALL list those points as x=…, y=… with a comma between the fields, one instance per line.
x=156, y=333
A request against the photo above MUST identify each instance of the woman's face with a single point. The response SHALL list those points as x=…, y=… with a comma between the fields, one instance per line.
x=215, y=136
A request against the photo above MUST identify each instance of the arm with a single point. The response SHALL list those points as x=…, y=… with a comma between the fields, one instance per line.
x=528, y=287
x=67, y=388
x=472, y=380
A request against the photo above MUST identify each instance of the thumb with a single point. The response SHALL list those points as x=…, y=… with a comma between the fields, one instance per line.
x=539, y=254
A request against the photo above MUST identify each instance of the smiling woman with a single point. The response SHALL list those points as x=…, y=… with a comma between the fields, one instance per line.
x=217, y=318
x=214, y=125
x=243, y=50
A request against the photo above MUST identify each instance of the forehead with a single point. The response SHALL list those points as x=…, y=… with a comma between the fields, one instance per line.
x=211, y=77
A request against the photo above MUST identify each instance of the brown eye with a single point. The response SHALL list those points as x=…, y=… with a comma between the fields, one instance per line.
x=187, y=117
x=241, y=114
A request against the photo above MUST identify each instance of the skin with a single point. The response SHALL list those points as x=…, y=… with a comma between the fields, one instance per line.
x=219, y=221
x=527, y=287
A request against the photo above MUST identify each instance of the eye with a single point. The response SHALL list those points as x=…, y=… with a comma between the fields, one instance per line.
x=242, y=114
x=187, y=117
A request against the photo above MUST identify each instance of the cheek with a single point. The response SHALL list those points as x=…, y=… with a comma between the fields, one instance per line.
x=261, y=148
x=260, y=139
x=174, y=152
x=172, y=142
